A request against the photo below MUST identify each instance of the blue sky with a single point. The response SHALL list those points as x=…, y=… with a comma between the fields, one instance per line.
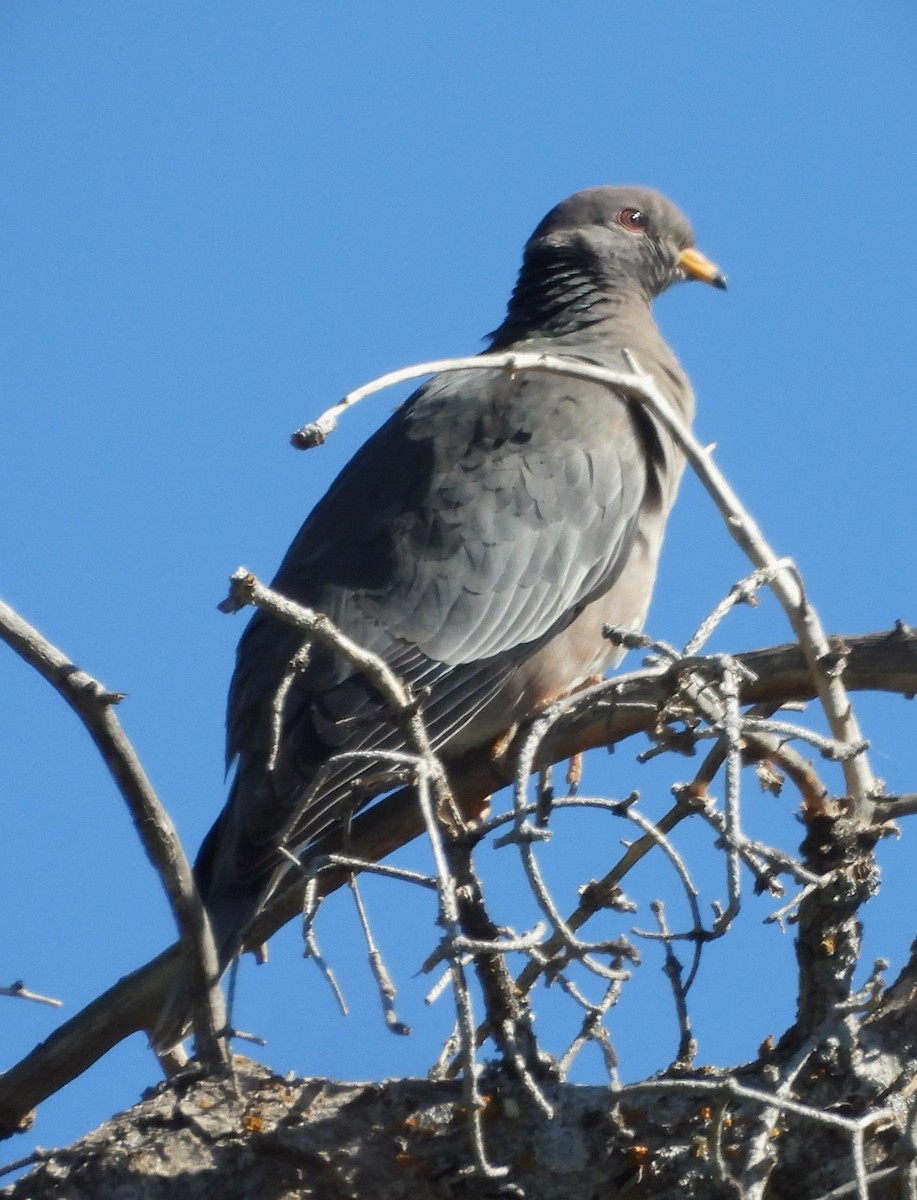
x=218, y=217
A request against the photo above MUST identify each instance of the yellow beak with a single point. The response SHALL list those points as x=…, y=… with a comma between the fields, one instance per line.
x=697, y=266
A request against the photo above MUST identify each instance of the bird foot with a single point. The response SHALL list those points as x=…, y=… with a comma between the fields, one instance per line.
x=574, y=772
x=500, y=748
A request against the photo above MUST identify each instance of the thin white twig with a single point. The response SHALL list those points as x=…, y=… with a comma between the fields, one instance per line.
x=687, y=1047
x=441, y=984
x=298, y=663
x=311, y=949
x=825, y=666
x=364, y=866
x=827, y=747
x=19, y=991
x=377, y=965
x=743, y=592
x=760, y=857
x=779, y=915
x=732, y=727
x=523, y=943
x=592, y=1028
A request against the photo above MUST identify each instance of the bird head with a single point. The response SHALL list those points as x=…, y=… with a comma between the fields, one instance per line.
x=632, y=238
x=598, y=251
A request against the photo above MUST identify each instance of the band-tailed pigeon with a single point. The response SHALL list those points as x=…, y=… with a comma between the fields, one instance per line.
x=478, y=542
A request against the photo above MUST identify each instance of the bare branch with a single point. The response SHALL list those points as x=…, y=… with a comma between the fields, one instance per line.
x=93, y=704
x=603, y=716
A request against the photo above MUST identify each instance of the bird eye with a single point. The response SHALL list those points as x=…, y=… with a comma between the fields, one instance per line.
x=632, y=219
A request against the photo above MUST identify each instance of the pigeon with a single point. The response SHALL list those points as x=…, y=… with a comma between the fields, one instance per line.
x=478, y=543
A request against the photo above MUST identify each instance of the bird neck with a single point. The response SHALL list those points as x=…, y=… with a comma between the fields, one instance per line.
x=556, y=296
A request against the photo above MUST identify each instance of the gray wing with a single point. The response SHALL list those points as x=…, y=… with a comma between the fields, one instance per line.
x=471, y=529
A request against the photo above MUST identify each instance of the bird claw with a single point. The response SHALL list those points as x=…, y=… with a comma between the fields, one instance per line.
x=500, y=749
x=574, y=775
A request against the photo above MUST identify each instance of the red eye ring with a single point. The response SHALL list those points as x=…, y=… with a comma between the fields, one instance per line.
x=632, y=219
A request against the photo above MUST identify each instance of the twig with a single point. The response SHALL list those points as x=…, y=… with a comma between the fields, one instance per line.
x=312, y=951
x=297, y=665
x=732, y=728
x=687, y=1047
x=328, y=862
x=763, y=860
x=721, y=1172
x=592, y=1030
x=825, y=666
x=779, y=915
x=377, y=965
x=827, y=747
x=21, y=992
x=743, y=592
